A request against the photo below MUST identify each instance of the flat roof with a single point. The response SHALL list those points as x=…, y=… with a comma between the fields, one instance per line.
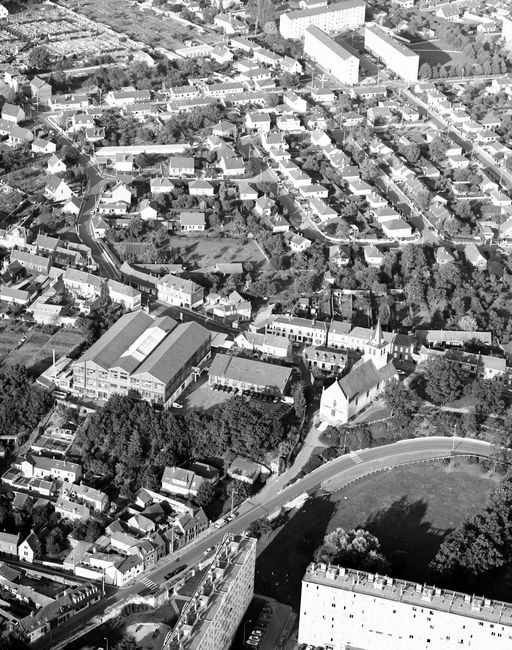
x=329, y=42
x=410, y=593
x=393, y=42
x=338, y=6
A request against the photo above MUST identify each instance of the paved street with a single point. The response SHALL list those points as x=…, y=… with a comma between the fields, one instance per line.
x=331, y=476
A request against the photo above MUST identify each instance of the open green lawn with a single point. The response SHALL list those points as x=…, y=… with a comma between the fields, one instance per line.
x=410, y=509
x=437, y=51
x=199, y=252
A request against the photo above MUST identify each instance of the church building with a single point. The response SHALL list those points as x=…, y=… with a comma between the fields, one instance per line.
x=349, y=395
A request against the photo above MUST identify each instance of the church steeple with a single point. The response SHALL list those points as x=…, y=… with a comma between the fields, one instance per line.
x=377, y=349
x=377, y=338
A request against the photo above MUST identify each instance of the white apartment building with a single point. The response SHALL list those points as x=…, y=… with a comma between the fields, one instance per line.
x=331, y=56
x=332, y=18
x=211, y=617
x=342, y=608
x=395, y=55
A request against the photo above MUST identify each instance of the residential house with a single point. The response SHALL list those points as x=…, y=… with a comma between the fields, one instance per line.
x=124, y=295
x=82, y=284
x=181, y=166
x=57, y=189
x=475, y=257
x=33, y=263
x=9, y=544
x=270, y=345
x=148, y=210
x=40, y=145
x=258, y=122
x=245, y=470
x=29, y=548
x=296, y=242
x=373, y=256
x=200, y=188
x=192, y=222
x=55, y=165
x=161, y=185
x=177, y=480
x=41, y=92
x=43, y=467
x=13, y=113
x=177, y=291
x=232, y=166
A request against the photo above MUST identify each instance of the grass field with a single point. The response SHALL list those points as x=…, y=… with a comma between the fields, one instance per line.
x=200, y=252
x=410, y=509
x=36, y=353
x=434, y=52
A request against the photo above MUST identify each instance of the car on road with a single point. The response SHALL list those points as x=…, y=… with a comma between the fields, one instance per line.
x=208, y=550
x=231, y=516
x=175, y=572
x=219, y=523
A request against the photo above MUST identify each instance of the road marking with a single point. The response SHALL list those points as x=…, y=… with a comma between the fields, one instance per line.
x=148, y=583
x=355, y=457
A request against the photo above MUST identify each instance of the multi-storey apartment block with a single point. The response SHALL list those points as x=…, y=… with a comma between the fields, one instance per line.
x=332, y=18
x=331, y=56
x=395, y=55
x=341, y=609
x=210, y=618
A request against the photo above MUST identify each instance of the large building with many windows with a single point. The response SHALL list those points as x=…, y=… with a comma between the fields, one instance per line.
x=341, y=609
x=396, y=56
x=154, y=356
x=332, y=18
x=330, y=56
x=209, y=620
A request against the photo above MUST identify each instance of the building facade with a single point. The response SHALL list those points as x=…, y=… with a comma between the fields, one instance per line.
x=332, y=18
x=211, y=617
x=153, y=356
x=331, y=56
x=342, y=608
x=394, y=54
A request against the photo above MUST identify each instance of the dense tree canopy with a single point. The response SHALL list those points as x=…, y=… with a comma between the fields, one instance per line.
x=442, y=380
x=353, y=549
x=22, y=403
x=131, y=442
x=479, y=545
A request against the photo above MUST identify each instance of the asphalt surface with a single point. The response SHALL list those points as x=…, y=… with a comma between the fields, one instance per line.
x=93, y=189
x=331, y=477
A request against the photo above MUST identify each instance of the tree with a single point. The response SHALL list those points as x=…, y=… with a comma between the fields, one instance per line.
x=205, y=494
x=55, y=541
x=400, y=401
x=442, y=380
x=39, y=58
x=355, y=549
x=425, y=71
x=487, y=397
x=22, y=403
x=299, y=399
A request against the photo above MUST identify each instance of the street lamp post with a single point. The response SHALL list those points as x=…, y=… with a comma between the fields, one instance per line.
x=105, y=639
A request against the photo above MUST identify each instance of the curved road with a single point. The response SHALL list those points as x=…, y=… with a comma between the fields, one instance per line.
x=332, y=476
x=95, y=183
